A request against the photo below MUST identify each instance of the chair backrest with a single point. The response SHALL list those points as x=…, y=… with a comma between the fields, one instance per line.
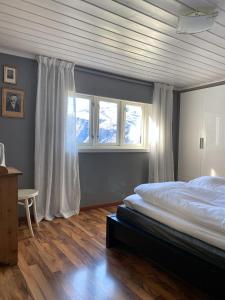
x=2, y=155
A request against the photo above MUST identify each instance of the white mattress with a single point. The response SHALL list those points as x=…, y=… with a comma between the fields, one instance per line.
x=207, y=235
x=194, y=204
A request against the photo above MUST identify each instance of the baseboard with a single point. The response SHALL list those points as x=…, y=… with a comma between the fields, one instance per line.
x=101, y=205
x=23, y=220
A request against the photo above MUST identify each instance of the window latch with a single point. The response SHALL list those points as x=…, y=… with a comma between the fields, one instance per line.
x=201, y=143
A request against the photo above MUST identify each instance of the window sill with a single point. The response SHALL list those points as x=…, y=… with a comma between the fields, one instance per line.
x=97, y=150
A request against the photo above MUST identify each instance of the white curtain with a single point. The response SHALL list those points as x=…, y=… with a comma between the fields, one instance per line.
x=161, y=166
x=2, y=155
x=56, y=155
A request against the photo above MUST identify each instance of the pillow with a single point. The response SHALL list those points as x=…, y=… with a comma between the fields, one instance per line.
x=213, y=183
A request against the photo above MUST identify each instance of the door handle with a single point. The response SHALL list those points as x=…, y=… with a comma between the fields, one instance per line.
x=201, y=143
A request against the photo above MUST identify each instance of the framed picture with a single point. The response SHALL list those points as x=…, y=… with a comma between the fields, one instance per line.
x=9, y=75
x=12, y=103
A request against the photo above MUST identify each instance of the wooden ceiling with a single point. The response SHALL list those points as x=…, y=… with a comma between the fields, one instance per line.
x=135, y=38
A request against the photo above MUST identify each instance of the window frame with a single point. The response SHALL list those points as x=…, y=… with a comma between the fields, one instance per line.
x=120, y=146
x=117, y=102
x=91, y=125
x=123, y=118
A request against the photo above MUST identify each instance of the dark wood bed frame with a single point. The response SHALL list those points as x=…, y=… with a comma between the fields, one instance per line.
x=197, y=271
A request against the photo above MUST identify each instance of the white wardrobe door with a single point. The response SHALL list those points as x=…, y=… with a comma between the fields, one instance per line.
x=191, y=112
x=213, y=160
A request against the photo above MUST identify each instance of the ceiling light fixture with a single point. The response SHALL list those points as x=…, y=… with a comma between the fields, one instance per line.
x=195, y=22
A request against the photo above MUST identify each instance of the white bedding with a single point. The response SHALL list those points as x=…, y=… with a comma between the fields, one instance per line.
x=192, y=203
x=213, y=183
x=203, y=233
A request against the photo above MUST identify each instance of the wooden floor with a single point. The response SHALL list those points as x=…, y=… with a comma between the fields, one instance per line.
x=67, y=259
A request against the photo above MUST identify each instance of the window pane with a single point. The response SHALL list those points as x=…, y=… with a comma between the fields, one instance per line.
x=82, y=120
x=107, y=122
x=133, y=124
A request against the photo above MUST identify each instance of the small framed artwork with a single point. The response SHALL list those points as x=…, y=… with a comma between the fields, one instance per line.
x=9, y=74
x=12, y=103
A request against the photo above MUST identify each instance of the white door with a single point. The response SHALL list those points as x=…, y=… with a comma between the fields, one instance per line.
x=213, y=158
x=190, y=131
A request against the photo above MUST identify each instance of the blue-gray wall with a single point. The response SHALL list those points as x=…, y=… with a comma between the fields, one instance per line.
x=104, y=177
x=107, y=177
x=18, y=134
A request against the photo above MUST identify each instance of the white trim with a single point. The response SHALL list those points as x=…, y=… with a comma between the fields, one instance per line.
x=119, y=149
x=90, y=131
x=94, y=146
x=17, y=53
x=202, y=85
x=117, y=102
x=143, y=123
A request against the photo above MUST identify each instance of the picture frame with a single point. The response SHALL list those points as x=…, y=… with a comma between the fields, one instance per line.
x=9, y=74
x=12, y=103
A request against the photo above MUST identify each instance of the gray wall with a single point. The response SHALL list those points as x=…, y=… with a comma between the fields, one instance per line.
x=18, y=134
x=105, y=177
x=108, y=177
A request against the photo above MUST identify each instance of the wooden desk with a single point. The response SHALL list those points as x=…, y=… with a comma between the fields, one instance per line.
x=8, y=215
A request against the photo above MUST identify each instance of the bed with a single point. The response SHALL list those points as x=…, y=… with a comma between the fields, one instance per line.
x=179, y=225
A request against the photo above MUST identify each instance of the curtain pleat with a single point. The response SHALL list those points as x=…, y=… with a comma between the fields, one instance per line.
x=56, y=153
x=161, y=163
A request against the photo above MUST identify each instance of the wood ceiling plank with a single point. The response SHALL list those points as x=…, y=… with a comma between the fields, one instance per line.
x=170, y=19
x=142, y=23
x=130, y=37
x=89, y=61
x=47, y=40
x=107, y=20
x=93, y=49
x=152, y=10
x=219, y=3
x=202, y=5
x=170, y=6
x=218, y=29
x=170, y=51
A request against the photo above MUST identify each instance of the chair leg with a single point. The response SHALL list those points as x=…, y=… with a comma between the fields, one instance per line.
x=35, y=211
x=28, y=217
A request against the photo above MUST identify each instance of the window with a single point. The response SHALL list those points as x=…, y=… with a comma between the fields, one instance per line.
x=109, y=124
x=83, y=113
x=133, y=124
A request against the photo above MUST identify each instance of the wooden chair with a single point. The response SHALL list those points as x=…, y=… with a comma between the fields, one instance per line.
x=27, y=198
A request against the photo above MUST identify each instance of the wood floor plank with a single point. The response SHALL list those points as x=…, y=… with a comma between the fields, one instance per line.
x=13, y=285
x=67, y=260
x=43, y=283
